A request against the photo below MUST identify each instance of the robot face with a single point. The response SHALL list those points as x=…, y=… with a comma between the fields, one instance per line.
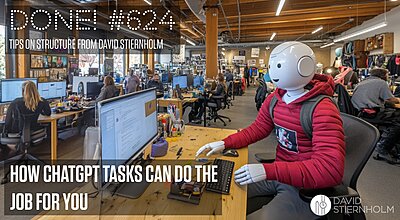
x=291, y=65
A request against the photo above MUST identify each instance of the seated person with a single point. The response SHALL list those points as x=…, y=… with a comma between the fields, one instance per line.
x=155, y=83
x=109, y=89
x=220, y=90
x=30, y=103
x=373, y=93
x=301, y=161
x=132, y=82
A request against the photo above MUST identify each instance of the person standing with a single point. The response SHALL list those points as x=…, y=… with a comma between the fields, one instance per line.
x=132, y=83
x=246, y=75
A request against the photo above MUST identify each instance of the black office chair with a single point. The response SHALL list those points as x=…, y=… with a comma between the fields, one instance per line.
x=23, y=141
x=215, y=104
x=361, y=138
x=229, y=93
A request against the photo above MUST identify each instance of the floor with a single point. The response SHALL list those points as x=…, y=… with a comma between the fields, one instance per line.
x=378, y=184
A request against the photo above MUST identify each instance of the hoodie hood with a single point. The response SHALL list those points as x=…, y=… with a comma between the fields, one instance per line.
x=319, y=85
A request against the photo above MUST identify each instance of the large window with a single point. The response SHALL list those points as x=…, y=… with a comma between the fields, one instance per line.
x=135, y=58
x=87, y=59
x=119, y=62
x=2, y=52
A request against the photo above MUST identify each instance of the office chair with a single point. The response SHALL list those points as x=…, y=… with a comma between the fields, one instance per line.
x=216, y=103
x=23, y=141
x=361, y=138
x=229, y=94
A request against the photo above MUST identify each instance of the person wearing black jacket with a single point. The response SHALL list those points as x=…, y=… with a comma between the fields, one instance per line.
x=220, y=90
x=30, y=103
x=109, y=89
x=155, y=83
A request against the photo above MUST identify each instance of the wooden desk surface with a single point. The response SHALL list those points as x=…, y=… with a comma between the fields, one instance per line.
x=233, y=205
x=55, y=116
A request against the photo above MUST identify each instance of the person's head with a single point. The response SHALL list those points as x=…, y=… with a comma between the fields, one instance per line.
x=380, y=73
x=291, y=65
x=131, y=72
x=108, y=80
x=156, y=77
x=31, y=95
x=221, y=78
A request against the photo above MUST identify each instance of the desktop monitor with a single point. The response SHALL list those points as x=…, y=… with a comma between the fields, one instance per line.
x=93, y=71
x=182, y=81
x=197, y=81
x=12, y=88
x=164, y=78
x=52, y=90
x=79, y=83
x=127, y=125
x=93, y=89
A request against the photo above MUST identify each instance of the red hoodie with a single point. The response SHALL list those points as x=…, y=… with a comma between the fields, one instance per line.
x=300, y=162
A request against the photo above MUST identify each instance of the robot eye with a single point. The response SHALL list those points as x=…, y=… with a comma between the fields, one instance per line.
x=279, y=65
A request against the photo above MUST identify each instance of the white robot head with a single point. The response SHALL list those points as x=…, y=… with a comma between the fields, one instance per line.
x=291, y=65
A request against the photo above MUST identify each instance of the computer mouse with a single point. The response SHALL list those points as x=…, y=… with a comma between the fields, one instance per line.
x=230, y=153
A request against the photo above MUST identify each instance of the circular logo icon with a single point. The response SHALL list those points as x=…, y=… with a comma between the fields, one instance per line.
x=320, y=205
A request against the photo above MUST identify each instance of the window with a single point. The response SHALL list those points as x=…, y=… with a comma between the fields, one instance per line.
x=2, y=52
x=135, y=57
x=119, y=62
x=87, y=59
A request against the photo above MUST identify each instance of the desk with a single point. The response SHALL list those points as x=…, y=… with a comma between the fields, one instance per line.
x=233, y=205
x=52, y=119
x=161, y=102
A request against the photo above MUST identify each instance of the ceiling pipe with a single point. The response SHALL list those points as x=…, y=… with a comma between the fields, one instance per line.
x=239, y=18
x=196, y=7
x=339, y=26
x=226, y=20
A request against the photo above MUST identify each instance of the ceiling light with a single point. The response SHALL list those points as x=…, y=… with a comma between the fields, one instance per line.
x=223, y=49
x=393, y=0
x=272, y=36
x=148, y=2
x=223, y=53
x=327, y=45
x=360, y=32
x=316, y=30
x=190, y=42
x=280, y=6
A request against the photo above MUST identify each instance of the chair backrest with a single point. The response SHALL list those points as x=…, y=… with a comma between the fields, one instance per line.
x=230, y=88
x=360, y=138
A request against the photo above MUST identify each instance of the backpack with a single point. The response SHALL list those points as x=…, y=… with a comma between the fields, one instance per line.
x=306, y=112
x=261, y=93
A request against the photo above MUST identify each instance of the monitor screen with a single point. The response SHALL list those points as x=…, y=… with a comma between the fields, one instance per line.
x=127, y=125
x=164, y=78
x=93, y=89
x=79, y=82
x=197, y=81
x=181, y=80
x=12, y=88
x=52, y=90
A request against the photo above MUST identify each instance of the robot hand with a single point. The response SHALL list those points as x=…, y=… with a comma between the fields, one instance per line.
x=250, y=173
x=214, y=147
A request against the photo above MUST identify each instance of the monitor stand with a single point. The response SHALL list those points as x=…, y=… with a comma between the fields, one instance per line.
x=132, y=190
x=136, y=189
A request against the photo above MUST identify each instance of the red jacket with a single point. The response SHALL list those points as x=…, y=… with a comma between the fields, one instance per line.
x=300, y=162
